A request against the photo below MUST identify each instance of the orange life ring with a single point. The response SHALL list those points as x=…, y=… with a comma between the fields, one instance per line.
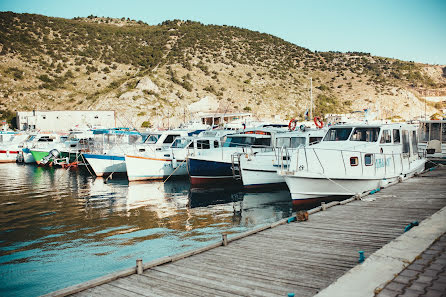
x=318, y=122
x=292, y=124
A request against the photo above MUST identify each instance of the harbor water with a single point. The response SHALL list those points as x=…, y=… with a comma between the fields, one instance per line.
x=62, y=227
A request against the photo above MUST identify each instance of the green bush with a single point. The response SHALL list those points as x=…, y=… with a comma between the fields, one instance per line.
x=146, y=124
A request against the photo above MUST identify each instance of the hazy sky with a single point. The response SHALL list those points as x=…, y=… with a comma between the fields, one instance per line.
x=405, y=29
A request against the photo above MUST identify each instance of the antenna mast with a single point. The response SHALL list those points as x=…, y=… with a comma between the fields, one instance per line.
x=311, y=97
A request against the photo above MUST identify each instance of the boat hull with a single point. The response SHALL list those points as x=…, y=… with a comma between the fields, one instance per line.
x=208, y=172
x=8, y=156
x=304, y=187
x=106, y=164
x=141, y=168
x=69, y=157
x=256, y=178
x=27, y=156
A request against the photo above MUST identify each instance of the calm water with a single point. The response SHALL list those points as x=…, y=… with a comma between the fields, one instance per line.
x=61, y=227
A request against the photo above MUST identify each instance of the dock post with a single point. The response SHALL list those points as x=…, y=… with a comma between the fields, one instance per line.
x=139, y=266
x=323, y=206
x=224, y=239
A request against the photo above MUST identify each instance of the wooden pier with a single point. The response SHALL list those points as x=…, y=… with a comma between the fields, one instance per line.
x=298, y=257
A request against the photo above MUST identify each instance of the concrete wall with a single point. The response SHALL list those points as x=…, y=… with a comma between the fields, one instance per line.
x=64, y=120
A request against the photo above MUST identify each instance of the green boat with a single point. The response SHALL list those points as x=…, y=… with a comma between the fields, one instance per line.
x=55, y=157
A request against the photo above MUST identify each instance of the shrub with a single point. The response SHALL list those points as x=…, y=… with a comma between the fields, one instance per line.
x=146, y=124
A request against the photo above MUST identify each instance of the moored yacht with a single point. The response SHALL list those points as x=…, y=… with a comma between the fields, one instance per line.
x=160, y=162
x=352, y=159
x=259, y=169
x=216, y=165
x=112, y=161
x=10, y=145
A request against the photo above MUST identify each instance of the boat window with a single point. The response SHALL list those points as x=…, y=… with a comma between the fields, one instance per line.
x=435, y=131
x=134, y=138
x=365, y=134
x=203, y=144
x=443, y=132
x=262, y=142
x=396, y=136
x=337, y=134
x=180, y=143
x=424, y=131
x=238, y=141
x=215, y=143
x=414, y=142
x=386, y=137
x=170, y=138
x=120, y=138
x=31, y=138
x=297, y=141
x=63, y=139
x=354, y=161
x=368, y=159
x=153, y=138
x=406, y=144
x=314, y=140
x=283, y=142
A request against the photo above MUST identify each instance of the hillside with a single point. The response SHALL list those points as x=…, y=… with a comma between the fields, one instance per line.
x=149, y=73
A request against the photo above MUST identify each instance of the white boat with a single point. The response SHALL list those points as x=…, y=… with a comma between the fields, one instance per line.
x=433, y=140
x=163, y=162
x=10, y=145
x=110, y=145
x=260, y=168
x=109, y=158
x=352, y=159
x=217, y=165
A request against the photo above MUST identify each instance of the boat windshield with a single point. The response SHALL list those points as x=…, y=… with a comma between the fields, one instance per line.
x=153, y=138
x=181, y=143
x=365, y=134
x=338, y=134
x=235, y=141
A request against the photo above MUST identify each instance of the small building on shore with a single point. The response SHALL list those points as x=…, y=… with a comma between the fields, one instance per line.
x=63, y=120
x=223, y=118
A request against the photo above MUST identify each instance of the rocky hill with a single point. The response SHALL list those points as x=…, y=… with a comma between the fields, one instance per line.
x=151, y=73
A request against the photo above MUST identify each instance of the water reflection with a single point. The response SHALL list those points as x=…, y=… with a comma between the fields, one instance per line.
x=61, y=227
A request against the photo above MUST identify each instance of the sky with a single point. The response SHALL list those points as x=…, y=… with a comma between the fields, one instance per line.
x=410, y=30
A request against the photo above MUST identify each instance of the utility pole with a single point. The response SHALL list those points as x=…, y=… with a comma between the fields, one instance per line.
x=311, y=97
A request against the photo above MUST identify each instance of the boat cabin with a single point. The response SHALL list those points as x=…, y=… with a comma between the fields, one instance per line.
x=433, y=138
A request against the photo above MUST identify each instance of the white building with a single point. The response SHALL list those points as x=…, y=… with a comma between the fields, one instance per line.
x=223, y=118
x=63, y=120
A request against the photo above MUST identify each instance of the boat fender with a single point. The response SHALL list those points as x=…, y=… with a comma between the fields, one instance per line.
x=290, y=294
x=302, y=128
x=292, y=219
x=361, y=257
x=412, y=224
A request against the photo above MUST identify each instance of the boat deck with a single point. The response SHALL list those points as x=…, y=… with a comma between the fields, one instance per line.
x=298, y=257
